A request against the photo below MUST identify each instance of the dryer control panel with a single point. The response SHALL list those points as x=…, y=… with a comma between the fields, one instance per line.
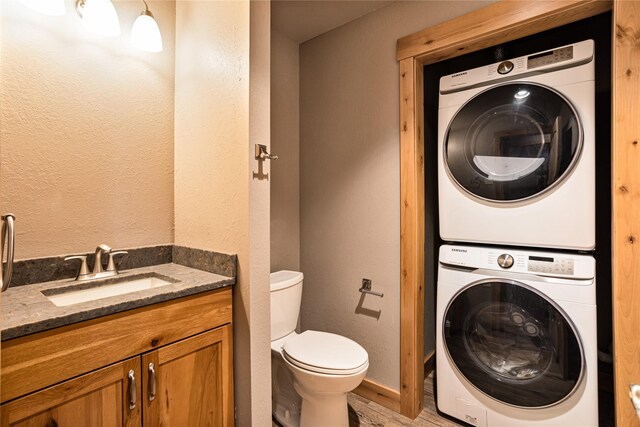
x=519, y=261
x=550, y=57
x=569, y=56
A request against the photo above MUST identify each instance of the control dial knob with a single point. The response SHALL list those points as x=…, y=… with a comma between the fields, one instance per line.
x=505, y=67
x=505, y=261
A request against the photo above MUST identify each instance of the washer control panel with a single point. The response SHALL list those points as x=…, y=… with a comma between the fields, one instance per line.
x=519, y=261
x=540, y=264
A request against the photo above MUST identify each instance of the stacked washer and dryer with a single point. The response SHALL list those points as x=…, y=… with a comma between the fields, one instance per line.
x=516, y=328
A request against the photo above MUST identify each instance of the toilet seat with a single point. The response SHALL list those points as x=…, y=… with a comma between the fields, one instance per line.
x=325, y=353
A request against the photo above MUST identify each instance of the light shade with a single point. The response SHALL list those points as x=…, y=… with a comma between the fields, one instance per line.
x=145, y=34
x=100, y=17
x=48, y=7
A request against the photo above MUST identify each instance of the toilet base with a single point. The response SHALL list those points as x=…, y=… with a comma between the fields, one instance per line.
x=328, y=410
x=286, y=402
x=285, y=417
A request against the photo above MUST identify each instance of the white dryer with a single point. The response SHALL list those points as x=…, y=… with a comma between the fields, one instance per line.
x=517, y=151
x=516, y=338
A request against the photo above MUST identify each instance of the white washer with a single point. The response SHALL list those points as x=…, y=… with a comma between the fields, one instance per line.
x=516, y=338
x=517, y=151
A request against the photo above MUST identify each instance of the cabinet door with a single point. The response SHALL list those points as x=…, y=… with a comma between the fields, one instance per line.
x=102, y=398
x=190, y=382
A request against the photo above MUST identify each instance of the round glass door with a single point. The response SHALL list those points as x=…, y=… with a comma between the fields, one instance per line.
x=512, y=142
x=513, y=344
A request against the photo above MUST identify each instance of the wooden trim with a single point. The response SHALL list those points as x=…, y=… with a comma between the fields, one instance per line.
x=429, y=363
x=411, y=238
x=492, y=25
x=228, y=400
x=36, y=361
x=626, y=204
x=380, y=394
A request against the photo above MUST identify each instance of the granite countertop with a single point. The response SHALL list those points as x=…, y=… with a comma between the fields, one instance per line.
x=26, y=310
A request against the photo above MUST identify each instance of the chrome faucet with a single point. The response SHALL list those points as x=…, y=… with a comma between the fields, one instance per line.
x=98, y=272
x=97, y=263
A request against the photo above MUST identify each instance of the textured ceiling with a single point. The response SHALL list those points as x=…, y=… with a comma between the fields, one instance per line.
x=303, y=20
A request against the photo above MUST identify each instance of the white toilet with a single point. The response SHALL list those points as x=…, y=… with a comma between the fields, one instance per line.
x=313, y=371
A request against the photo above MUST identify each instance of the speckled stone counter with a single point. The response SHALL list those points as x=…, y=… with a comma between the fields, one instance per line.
x=26, y=310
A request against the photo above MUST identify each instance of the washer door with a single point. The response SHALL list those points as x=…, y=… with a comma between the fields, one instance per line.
x=513, y=344
x=512, y=142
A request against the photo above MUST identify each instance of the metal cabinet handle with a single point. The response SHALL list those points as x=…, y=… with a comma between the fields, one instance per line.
x=132, y=390
x=8, y=234
x=152, y=382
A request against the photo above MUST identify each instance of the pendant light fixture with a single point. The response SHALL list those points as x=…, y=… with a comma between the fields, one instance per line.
x=145, y=34
x=99, y=16
x=48, y=7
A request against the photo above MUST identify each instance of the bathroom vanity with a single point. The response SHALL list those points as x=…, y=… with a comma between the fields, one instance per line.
x=159, y=357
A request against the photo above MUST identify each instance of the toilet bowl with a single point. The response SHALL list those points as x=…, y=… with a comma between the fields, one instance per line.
x=313, y=371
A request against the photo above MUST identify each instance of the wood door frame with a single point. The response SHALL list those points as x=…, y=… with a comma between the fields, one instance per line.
x=499, y=23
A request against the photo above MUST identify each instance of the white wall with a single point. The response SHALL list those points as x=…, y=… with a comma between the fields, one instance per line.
x=285, y=142
x=350, y=177
x=86, y=132
x=222, y=109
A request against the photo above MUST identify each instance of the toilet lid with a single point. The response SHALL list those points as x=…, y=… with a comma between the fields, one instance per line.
x=325, y=353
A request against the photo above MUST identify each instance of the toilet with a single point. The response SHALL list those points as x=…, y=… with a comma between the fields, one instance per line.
x=313, y=371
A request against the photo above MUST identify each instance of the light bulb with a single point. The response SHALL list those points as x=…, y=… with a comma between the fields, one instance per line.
x=145, y=34
x=48, y=7
x=100, y=17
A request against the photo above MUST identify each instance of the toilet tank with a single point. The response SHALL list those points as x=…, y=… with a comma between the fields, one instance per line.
x=286, y=295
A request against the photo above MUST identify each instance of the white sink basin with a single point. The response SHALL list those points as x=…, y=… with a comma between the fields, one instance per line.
x=119, y=287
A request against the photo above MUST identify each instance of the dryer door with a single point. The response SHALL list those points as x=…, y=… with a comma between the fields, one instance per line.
x=512, y=142
x=513, y=344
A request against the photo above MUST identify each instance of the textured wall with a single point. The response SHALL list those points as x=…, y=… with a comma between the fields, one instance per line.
x=218, y=66
x=211, y=124
x=285, y=142
x=350, y=177
x=259, y=218
x=86, y=132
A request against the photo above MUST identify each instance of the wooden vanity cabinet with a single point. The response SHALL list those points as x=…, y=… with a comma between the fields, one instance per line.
x=171, y=379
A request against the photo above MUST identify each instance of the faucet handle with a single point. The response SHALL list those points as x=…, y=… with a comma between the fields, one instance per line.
x=112, y=265
x=84, y=270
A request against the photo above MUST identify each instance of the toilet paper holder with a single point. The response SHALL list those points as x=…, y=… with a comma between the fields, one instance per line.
x=366, y=288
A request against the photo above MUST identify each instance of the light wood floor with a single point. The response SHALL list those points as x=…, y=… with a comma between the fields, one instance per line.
x=365, y=413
